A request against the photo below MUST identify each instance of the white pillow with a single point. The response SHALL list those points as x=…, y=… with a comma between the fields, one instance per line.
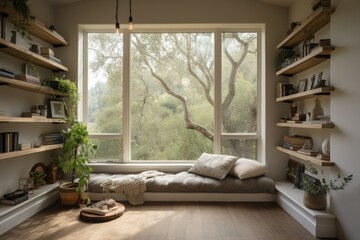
x=247, y=168
x=212, y=165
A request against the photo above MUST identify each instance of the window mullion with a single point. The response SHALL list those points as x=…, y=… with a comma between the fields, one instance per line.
x=126, y=98
x=217, y=91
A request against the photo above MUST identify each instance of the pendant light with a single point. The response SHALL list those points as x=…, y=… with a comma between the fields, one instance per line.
x=117, y=24
x=131, y=27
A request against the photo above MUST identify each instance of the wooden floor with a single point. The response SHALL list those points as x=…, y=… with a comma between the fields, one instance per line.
x=155, y=220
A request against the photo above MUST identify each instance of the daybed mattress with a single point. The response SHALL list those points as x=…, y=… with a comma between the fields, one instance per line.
x=185, y=182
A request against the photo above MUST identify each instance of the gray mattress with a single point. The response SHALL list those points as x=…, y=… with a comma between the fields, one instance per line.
x=190, y=183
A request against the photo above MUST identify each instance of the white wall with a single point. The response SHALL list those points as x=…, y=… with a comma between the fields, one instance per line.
x=67, y=19
x=345, y=112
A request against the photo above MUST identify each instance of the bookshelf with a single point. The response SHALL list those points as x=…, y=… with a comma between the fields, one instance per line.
x=307, y=94
x=30, y=120
x=43, y=148
x=307, y=125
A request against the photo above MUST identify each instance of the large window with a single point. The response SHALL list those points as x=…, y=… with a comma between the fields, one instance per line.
x=171, y=95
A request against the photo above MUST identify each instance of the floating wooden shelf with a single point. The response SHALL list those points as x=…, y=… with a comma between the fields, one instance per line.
x=43, y=148
x=306, y=158
x=317, y=55
x=29, y=86
x=306, y=94
x=26, y=55
x=307, y=125
x=30, y=120
x=36, y=28
x=319, y=18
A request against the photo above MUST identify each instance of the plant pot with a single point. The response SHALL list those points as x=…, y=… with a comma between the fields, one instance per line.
x=315, y=201
x=68, y=194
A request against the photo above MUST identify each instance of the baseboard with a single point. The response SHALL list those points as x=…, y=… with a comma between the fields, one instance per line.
x=193, y=197
x=14, y=215
x=319, y=223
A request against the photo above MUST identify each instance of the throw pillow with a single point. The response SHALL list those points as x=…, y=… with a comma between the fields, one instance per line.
x=212, y=165
x=247, y=168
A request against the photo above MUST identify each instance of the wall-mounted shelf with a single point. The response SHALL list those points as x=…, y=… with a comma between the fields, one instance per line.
x=319, y=18
x=26, y=55
x=43, y=148
x=36, y=28
x=317, y=55
x=29, y=87
x=307, y=125
x=30, y=120
x=306, y=94
x=306, y=158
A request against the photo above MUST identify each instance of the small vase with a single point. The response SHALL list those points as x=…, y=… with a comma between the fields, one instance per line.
x=325, y=147
x=315, y=201
x=317, y=110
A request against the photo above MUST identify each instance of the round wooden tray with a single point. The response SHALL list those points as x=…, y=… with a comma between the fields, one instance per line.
x=91, y=217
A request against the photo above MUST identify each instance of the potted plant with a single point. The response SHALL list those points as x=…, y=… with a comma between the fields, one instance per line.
x=316, y=189
x=22, y=8
x=75, y=158
x=39, y=178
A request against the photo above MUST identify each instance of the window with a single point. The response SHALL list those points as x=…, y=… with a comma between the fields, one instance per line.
x=171, y=95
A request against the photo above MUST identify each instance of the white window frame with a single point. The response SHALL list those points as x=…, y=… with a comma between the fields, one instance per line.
x=217, y=29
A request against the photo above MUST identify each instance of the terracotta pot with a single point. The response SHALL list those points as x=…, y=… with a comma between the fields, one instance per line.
x=68, y=194
x=315, y=201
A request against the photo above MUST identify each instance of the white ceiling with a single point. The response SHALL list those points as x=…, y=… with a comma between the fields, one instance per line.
x=281, y=3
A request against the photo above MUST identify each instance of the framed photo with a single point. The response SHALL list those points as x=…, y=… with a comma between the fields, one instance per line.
x=31, y=69
x=312, y=82
x=57, y=109
x=27, y=184
x=302, y=84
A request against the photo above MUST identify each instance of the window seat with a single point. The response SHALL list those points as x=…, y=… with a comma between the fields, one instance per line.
x=184, y=186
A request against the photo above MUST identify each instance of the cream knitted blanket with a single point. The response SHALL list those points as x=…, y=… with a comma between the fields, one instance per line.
x=133, y=185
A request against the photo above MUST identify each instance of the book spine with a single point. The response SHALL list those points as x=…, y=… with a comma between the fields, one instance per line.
x=15, y=140
x=14, y=201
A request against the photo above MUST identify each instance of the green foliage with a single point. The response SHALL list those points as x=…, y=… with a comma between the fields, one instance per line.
x=322, y=186
x=38, y=178
x=23, y=9
x=77, y=150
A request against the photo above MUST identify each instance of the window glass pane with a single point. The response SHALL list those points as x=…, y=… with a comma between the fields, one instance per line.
x=239, y=83
x=246, y=148
x=172, y=78
x=108, y=149
x=105, y=82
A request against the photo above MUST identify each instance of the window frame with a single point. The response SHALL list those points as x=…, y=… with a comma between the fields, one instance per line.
x=218, y=30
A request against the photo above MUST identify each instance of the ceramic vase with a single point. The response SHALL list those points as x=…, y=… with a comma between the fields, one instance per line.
x=325, y=147
x=317, y=110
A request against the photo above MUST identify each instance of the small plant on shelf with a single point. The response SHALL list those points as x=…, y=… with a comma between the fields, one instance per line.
x=39, y=178
x=22, y=8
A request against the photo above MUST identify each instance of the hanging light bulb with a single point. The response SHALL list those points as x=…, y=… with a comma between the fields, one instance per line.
x=131, y=26
x=117, y=24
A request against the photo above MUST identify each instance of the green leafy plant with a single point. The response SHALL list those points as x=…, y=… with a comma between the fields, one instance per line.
x=22, y=8
x=321, y=186
x=77, y=150
x=38, y=178
x=70, y=90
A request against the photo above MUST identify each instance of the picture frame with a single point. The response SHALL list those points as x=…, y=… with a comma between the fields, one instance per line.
x=301, y=87
x=31, y=69
x=26, y=184
x=57, y=109
x=312, y=82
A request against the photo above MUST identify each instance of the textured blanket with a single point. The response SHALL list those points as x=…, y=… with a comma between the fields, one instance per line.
x=133, y=186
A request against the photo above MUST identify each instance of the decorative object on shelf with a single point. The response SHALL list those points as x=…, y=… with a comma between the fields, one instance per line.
x=75, y=157
x=57, y=109
x=13, y=37
x=24, y=14
x=282, y=56
x=293, y=109
x=317, y=110
x=302, y=84
x=31, y=70
x=325, y=147
x=315, y=189
x=35, y=48
x=39, y=178
x=27, y=185
x=51, y=173
x=293, y=25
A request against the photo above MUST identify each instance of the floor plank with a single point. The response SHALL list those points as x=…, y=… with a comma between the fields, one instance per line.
x=167, y=221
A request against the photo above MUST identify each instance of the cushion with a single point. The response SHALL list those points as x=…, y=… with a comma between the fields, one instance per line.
x=247, y=168
x=212, y=165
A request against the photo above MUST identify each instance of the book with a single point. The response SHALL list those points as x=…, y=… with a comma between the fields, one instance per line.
x=296, y=139
x=6, y=74
x=52, y=58
x=15, y=194
x=323, y=157
x=47, y=51
x=285, y=89
x=32, y=115
x=14, y=201
x=101, y=208
x=24, y=146
x=308, y=152
x=27, y=77
x=291, y=146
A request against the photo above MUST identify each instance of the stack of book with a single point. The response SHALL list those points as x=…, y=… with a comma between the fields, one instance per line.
x=308, y=152
x=15, y=197
x=325, y=42
x=52, y=138
x=299, y=117
x=320, y=3
x=49, y=54
x=285, y=89
x=295, y=142
x=28, y=78
x=32, y=115
x=4, y=72
x=9, y=141
x=24, y=146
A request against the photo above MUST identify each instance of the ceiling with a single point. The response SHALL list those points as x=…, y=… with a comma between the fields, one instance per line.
x=281, y=3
